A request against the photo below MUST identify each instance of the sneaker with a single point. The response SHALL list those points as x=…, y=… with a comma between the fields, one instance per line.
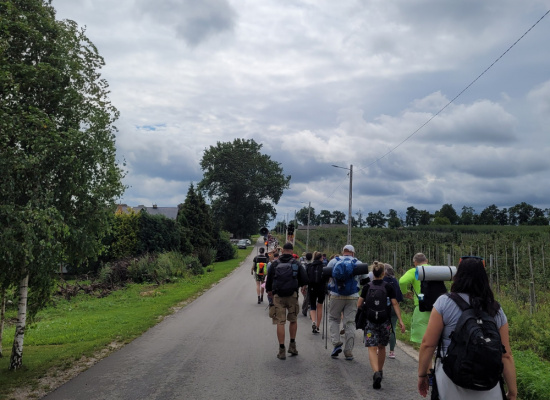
x=337, y=350
x=292, y=349
x=376, y=380
x=314, y=328
x=342, y=331
x=282, y=354
x=348, y=355
x=391, y=355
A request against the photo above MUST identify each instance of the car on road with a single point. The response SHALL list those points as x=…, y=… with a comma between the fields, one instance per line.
x=241, y=244
x=248, y=242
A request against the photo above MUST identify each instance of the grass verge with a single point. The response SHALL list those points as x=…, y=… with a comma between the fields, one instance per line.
x=86, y=328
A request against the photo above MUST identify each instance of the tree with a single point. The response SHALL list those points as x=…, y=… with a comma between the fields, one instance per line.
x=194, y=215
x=412, y=217
x=59, y=177
x=376, y=220
x=393, y=220
x=337, y=217
x=489, y=216
x=305, y=215
x=324, y=217
x=242, y=184
x=424, y=217
x=468, y=216
x=360, y=222
x=447, y=211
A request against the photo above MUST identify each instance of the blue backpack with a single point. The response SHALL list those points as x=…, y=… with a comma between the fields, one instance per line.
x=342, y=274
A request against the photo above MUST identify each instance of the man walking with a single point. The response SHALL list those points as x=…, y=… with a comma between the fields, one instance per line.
x=343, y=302
x=284, y=278
x=259, y=270
x=420, y=319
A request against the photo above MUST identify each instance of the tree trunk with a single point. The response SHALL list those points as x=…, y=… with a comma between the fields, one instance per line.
x=2, y=314
x=16, y=360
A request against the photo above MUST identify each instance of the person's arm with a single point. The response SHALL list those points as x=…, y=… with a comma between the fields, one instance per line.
x=253, y=266
x=397, y=310
x=509, y=372
x=360, y=301
x=427, y=349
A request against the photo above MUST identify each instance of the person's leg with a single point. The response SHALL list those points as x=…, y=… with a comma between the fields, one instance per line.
x=392, y=334
x=349, y=311
x=281, y=333
x=313, y=308
x=381, y=357
x=319, y=314
x=258, y=288
x=334, y=316
x=373, y=358
x=292, y=329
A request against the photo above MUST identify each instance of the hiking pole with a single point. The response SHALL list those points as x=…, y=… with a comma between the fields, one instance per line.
x=325, y=326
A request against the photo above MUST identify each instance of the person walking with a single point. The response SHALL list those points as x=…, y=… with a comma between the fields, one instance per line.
x=343, y=305
x=378, y=296
x=284, y=278
x=389, y=277
x=419, y=319
x=259, y=270
x=470, y=284
x=316, y=290
x=305, y=260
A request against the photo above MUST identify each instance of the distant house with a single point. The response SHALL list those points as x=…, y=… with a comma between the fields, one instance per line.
x=169, y=212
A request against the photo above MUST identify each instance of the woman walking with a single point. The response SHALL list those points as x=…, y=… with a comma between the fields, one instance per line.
x=316, y=290
x=472, y=285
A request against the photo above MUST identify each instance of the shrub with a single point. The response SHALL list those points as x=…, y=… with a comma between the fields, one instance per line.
x=193, y=264
x=206, y=255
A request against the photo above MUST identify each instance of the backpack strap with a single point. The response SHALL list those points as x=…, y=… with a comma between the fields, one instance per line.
x=459, y=301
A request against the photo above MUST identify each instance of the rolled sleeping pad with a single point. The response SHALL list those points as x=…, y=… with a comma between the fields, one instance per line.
x=435, y=272
x=360, y=269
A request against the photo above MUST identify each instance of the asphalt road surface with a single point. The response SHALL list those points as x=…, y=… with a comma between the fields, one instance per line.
x=224, y=346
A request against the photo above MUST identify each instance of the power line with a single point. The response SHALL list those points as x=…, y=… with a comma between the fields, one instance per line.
x=456, y=97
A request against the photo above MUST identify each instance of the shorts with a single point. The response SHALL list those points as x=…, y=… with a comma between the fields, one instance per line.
x=259, y=278
x=377, y=334
x=286, y=308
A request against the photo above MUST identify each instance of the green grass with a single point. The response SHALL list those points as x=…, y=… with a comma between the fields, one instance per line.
x=63, y=333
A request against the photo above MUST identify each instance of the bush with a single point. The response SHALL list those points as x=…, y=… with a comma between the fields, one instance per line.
x=193, y=264
x=206, y=255
x=225, y=250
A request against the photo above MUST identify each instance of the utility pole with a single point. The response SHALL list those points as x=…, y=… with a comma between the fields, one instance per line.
x=307, y=236
x=350, y=169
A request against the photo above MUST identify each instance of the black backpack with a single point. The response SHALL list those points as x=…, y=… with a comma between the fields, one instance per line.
x=315, y=272
x=285, y=280
x=431, y=291
x=474, y=357
x=376, y=306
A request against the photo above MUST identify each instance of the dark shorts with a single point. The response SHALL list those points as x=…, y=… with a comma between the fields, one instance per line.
x=377, y=334
x=259, y=278
x=316, y=295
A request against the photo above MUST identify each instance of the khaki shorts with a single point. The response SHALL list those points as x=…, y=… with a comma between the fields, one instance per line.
x=285, y=308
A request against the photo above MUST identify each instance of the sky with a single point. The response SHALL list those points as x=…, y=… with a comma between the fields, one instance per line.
x=429, y=102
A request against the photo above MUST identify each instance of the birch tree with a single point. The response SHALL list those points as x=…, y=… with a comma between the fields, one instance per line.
x=59, y=179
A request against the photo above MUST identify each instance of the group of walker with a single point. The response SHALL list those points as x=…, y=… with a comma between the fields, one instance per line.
x=285, y=275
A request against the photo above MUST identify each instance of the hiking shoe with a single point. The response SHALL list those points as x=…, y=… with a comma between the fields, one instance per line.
x=377, y=380
x=391, y=355
x=337, y=350
x=348, y=355
x=292, y=349
x=282, y=354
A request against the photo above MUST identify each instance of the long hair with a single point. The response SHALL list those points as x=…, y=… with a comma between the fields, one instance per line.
x=471, y=278
x=377, y=269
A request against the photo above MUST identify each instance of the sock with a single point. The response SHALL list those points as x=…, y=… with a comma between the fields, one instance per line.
x=282, y=346
x=292, y=340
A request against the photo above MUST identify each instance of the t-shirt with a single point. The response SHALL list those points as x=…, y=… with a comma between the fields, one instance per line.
x=378, y=282
x=450, y=312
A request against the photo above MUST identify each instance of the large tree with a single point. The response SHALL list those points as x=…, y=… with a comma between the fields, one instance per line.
x=242, y=184
x=59, y=179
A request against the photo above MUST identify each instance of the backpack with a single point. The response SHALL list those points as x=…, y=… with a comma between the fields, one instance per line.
x=392, y=281
x=376, y=305
x=431, y=291
x=342, y=274
x=261, y=265
x=285, y=280
x=315, y=272
x=474, y=357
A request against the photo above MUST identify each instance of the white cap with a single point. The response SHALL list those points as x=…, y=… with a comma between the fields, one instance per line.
x=349, y=247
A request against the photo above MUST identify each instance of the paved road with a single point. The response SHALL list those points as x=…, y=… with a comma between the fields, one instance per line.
x=223, y=346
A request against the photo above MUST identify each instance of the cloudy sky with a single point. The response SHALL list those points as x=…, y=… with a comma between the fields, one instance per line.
x=370, y=83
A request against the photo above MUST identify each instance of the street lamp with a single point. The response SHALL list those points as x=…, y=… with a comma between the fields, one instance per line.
x=350, y=169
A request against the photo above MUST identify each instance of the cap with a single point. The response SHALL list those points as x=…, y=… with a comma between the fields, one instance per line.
x=349, y=247
x=288, y=246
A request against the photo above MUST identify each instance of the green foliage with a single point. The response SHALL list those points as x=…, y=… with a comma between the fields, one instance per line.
x=57, y=155
x=125, y=235
x=157, y=234
x=242, y=184
x=224, y=249
x=533, y=376
x=195, y=216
